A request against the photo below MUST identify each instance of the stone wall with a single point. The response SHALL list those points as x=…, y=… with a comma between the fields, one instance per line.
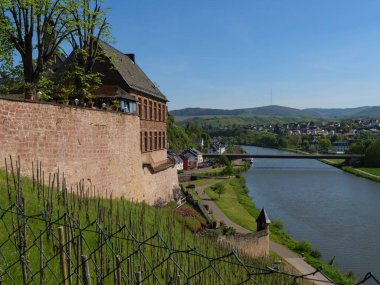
x=252, y=244
x=103, y=148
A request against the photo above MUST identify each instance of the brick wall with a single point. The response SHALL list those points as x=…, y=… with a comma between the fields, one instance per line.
x=100, y=147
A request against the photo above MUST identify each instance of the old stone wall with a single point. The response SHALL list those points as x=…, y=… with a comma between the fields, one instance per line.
x=252, y=244
x=103, y=148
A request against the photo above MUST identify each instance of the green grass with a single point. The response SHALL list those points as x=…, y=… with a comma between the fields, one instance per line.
x=201, y=182
x=374, y=171
x=352, y=170
x=211, y=171
x=235, y=203
x=141, y=222
x=333, y=162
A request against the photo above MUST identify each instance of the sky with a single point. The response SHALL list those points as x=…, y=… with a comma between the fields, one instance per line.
x=235, y=54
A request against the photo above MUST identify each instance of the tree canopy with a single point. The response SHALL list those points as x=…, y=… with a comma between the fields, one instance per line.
x=36, y=29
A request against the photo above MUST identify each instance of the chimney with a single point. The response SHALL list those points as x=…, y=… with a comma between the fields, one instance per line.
x=131, y=56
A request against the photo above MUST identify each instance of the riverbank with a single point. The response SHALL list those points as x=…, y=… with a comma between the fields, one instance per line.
x=361, y=172
x=278, y=251
x=368, y=173
x=238, y=207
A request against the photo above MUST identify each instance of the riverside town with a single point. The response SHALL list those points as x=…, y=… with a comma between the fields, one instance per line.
x=204, y=143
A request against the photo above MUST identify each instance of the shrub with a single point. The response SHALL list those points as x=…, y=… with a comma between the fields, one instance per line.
x=228, y=231
x=278, y=224
x=218, y=188
x=316, y=253
x=303, y=247
x=228, y=170
x=351, y=275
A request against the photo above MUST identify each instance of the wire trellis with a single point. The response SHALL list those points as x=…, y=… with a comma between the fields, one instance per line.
x=50, y=236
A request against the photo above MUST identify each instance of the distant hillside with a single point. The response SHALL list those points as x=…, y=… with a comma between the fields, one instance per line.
x=280, y=111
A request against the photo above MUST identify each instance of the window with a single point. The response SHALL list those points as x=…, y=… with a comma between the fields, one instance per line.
x=163, y=113
x=159, y=112
x=141, y=142
x=140, y=107
x=132, y=107
x=159, y=140
x=164, y=140
x=145, y=109
x=150, y=141
x=150, y=111
x=155, y=112
x=155, y=141
x=146, y=141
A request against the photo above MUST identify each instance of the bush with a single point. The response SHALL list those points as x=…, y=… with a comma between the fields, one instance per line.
x=303, y=247
x=228, y=170
x=278, y=224
x=228, y=231
x=190, y=186
x=224, y=160
x=351, y=275
x=218, y=188
x=316, y=253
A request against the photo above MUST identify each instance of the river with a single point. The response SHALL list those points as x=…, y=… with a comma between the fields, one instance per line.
x=339, y=213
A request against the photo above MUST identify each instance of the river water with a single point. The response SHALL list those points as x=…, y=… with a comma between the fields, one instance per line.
x=337, y=212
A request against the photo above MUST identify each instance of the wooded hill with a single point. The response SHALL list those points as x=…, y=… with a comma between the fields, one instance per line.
x=281, y=111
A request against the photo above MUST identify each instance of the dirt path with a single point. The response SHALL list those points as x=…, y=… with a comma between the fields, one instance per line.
x=292, y=258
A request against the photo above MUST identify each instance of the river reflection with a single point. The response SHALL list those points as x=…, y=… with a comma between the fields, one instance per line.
x=337, y=212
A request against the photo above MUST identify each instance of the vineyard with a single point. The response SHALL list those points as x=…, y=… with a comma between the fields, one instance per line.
x=50, y=234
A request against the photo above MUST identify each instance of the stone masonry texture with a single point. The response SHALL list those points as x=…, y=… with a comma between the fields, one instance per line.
x=103, y=148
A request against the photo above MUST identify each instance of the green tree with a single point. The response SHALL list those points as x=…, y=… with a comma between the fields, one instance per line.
x=90, y=27
x=219, y=189
x=372, y=154
x=357, y=148
x=224, y=160
x=305, y=144
x=177, y=137
x=35, y=29
x=282, y=142
x=324, y=144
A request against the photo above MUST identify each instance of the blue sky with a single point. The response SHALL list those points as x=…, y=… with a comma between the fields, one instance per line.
x=230, y=54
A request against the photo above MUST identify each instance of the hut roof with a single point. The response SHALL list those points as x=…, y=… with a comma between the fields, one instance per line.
x=263, y=217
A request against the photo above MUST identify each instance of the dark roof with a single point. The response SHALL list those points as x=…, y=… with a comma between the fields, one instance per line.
x=131, y=72
x=263, y=217
x=112, y=92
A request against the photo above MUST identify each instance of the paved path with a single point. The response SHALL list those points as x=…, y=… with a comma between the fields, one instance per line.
x=289, y=256
x=365, y=172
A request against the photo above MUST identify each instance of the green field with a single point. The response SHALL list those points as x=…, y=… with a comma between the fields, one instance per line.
x=374, y=171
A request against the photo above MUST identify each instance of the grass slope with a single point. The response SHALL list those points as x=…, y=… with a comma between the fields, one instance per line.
x=141, y=235
x=235, y=203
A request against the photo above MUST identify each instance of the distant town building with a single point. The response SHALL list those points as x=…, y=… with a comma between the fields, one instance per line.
x=340, y=146
x=191, y=158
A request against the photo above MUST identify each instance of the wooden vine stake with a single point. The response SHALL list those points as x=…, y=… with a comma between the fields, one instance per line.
x=85, y=271
x=61, y=235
